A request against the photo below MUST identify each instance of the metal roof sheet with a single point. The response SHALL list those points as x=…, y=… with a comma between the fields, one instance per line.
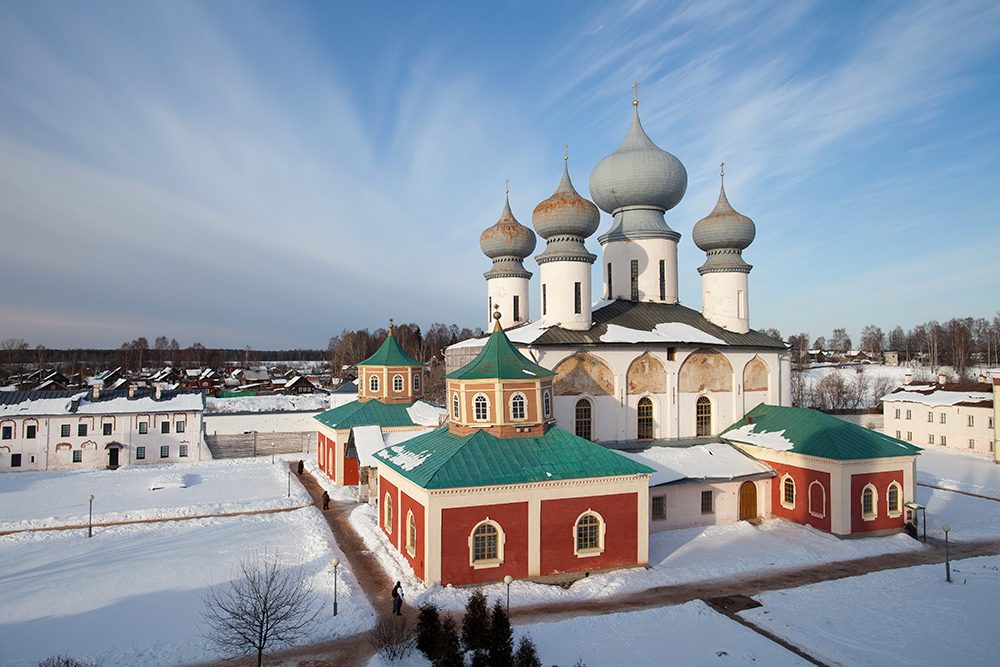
x=500, y=359
x=357, y=413
x=390, y=354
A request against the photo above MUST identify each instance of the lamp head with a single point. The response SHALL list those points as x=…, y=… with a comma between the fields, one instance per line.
x=508, y=580
x=335, y=562
x=91, y=497
x=946, y=528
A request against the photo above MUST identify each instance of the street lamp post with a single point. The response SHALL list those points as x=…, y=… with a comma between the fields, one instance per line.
x=336, y=562
x=289, y=480
x=272, y=453
x=90, y=519
x=508, y=580
x=947, y=561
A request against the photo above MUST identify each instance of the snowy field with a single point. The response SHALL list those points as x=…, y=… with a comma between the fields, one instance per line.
x=59, y=498
x=960, y=471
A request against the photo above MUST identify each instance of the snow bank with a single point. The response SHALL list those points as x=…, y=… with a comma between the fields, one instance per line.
x=959, y=471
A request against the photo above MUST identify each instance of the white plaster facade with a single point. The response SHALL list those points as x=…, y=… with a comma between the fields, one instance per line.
x=955, y=416
x=561, y=281
x=647, y=253
x=725, y=300
x=510, y=294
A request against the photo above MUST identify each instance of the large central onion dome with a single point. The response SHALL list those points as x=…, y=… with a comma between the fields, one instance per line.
x=724, y=234
x=639, y=173
x=564, y=220
x=507, y=243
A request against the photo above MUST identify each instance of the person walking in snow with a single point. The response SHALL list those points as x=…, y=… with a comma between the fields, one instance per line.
x=326, y=500
x=301, y=466
x=397, y=599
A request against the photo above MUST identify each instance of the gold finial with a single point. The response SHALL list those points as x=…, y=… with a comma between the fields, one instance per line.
x=390, y=326
x=635, y=89
x=567, y=152
x=496, y=317
x=506, y=186
x=722, y=168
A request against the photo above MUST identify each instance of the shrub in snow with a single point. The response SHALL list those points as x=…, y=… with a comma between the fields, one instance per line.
x=429, y=631
x=527, y=654
x=392, y=638
x=501, y=639
x=450, y=654
x=64, y=661
x=476, y=623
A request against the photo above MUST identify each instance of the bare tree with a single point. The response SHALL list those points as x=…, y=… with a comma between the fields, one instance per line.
x=265, y=604
x=872, y=340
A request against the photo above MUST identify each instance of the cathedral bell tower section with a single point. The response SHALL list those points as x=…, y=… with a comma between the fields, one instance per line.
x=637, y=184
x=565, y=220
x=507, y=243
x=723, y=234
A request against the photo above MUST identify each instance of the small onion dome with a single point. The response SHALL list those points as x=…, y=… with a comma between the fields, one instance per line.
x=565, y=213
x=507, y=238
x=723, y=228
x=638, y=174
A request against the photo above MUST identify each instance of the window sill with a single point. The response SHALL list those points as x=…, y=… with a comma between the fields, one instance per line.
x=818, y=515
x=788, y=506
x=589, y=553
x=869, y=517
x=487, y=564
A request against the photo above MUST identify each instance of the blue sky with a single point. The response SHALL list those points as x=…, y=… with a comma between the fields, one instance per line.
x=267, y=174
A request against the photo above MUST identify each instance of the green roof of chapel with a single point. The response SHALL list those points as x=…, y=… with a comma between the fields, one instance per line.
x=441, y=460
x=499, y=359
x=390, y=354
x=814, y=433
x=357, y=413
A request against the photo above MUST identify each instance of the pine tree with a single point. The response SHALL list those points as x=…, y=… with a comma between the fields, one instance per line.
x=527, y=654
x=501, y=638
x=429, y=631
x=476, y=624
x=450, y=653
x=480, y=658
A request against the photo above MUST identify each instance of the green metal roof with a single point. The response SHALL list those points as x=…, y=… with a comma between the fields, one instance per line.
x=390, y=354
x=500, y=359
x=815, y=434
x=443, y=460
x=357, y=413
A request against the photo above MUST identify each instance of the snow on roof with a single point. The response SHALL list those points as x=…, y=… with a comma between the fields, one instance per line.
x=716, y=460
x=40, y=406
x=770, y=439
x=406, y=460
x=367, y=441
x=399, y=437
x=665, y=332
x=425, y=414
x=935, y=395
x=185, y=402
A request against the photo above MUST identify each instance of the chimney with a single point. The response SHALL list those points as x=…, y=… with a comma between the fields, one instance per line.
x=908, y=378
x=942, y=379
x=982, y=379
x=97, y=392
x=159, y=391
x=131, y=391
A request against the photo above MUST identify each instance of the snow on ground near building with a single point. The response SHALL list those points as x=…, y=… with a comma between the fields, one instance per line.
x=969, y=518
x=292, y=403
x=961, y=471
x=690, y=634
x=131, y=595
x=910, y=616
x=59, y=498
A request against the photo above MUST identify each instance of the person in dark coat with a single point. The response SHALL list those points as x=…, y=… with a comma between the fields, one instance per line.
x=397, y=599
x=301, y=466
x=326, y=500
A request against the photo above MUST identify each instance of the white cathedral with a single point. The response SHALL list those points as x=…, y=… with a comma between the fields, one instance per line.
x=636, y=364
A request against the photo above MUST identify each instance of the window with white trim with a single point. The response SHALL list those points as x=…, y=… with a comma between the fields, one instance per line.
x=411, y=533
x=397, y=383
x=143, y=428
x=8, y=433
x=77, y=456
x=707, y=506
x=788, y=492
x=944, y=441
x=454, y=406
x=909, y=414
x=387, y=513
x=481, y=404
x=930, y=438
x=373, y=384
x=416, y=381
x=944, y=418
x=29, y=431
x=81, y=430
x=108, y=428
x=179, y=427
x=930, y=417
x=165, y=427
x=486, y=544
x=971, y=419
x=972, y=443
x=897, y=413
x=869, y=508
x=909, y=436
x=817, y=499
x=589, y=534
x=547, y=403
x=165, y=451
x=893, y=505
x=15, y=460
x=517, y=411
x=899, y=435
x=64, y=430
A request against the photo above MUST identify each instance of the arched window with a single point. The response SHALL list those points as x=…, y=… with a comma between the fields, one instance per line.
x=583, y=419
x=482, y=407
x=547, y=402
x=486, y=544
x=817, y=499
x=644, y=431
x=517, y=406
x=589, y=531
x=373, y=384
x=411, y=533
x=703, y=417
x=892, y=498
x=454, y=406
x=788, y=492
x=387, y=514
x=869, y=510
x=416, y=381
x=397, y=383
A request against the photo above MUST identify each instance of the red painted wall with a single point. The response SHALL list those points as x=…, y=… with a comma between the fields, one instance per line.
x=408, y=504
x=385, y=487
x=621, y=516
x=350, y=471
x=803, y=478
x=881, y=481
x=456, y=527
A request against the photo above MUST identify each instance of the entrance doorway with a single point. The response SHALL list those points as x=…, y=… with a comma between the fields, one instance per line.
x=113, y=450
x=748, y=501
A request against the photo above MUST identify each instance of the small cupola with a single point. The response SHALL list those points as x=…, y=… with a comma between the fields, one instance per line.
x=501, y=390
x=390, y=375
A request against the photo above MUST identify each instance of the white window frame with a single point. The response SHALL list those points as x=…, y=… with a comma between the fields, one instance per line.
x=179, y=426
x=387, y=513
x=182, y=451
x=602, y=527
x=930, y=417
x=140, y=453
x=164, y=451
x=821, y=512
x=944, y=441
x=663, y=507
x=397, y=383
x=781, y=492
x=869, y=516
x=972, y=443
x=475, y=407
x=65, y=430
x=501, y=540
x=524, y=407
x=411, y=534
x=930, y=438
x=456, y=406
x=143, y=428
x=899, y=500
x=416, y=381
x=944, y=417
x=972, y=420
x=373, y=383
x=547, y=402
x=77, y=456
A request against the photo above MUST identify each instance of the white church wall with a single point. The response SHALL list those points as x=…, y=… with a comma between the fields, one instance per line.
x=648, y=253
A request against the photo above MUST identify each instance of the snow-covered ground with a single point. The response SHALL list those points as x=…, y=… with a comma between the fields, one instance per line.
x=277, y=403
x=59, y=498
x=62, y=591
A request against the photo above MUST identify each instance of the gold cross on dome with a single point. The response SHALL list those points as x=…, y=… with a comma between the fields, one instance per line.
x=722, y=167
x=635, y=90
x=567, y=152
x=506, y=186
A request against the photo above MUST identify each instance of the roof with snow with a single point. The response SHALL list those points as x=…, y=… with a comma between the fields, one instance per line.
x=813, y=433
x=698, y=462
x=934, y=394
x=442, y=460
x=36, y=403
x=389, y=415
x=390, y=354
x=499, y=359
x=635, y=322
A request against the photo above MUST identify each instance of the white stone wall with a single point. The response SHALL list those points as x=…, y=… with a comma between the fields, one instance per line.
x=501, y=291
x=955, y=429
x=725, y=300
x=648, y=252
x=559, y=303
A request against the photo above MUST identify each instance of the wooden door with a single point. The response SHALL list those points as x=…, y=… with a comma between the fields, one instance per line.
x=748, y=501
x=113, y=457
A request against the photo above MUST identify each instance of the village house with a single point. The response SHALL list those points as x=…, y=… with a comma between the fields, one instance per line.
x=942, y=414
